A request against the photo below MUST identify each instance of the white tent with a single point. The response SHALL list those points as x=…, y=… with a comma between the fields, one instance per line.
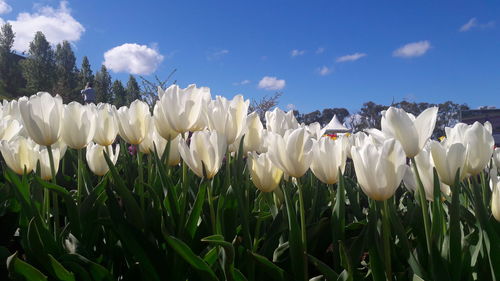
x=335, y=127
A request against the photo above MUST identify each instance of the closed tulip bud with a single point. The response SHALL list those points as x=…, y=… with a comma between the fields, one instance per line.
x=278, y=122
x=411, y=132
x=162, y=124
x=328, y=158
x=315, y=130
x=379, y=169
x=78, y=125
x=292, y=153
x=95, y=158
x=205, y=153
x=106, y=124
x=160, y=144
x=495, y=196
x=496, y=157
x=448, y=160
x=20, y=154
x=9, y=128
x=265, y=175
x=228, y=117
x=133, y=122
x=354, y=140
x=254, y=134
x=181, y=107
x=44, y=159
x=41, y=115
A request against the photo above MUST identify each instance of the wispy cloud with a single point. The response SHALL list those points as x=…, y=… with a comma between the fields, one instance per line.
x=216, y=55
x=320, y=50
x=296, y=53
x=324, y=70
x=410, y=50
x=290, y=106
x=242, y=82
x=271, y=83
x=474, y=23
x=4, y=7
x=351, y=57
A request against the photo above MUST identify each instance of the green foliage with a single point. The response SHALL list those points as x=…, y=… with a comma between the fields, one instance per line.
x=12, y=82
x=66, y=73
x=103, y=85
x=119, y=94
x=39, y=68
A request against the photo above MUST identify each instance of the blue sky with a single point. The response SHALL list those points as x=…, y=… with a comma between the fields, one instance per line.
x=318, y=53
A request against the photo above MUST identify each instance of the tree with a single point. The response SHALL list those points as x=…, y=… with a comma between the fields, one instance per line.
x=85, y=75
x=119, y=94
x=102, y=85
x=264, y=104
x=11, y=78
x=328, y=113
x=133, y=90
x=67, y=74
x=39, y=67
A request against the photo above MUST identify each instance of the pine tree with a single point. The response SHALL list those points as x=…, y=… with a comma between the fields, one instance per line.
x=119, y=94
x=102, y=85
x=39, y=67
x=11, y=79
x=133, y=90
x=85, y=74
x=66, y=82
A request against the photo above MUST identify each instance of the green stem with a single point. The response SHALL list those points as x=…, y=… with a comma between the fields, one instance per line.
x=79, y=176
x=140, y=187
x=455, y=233
x=211, y=207
x=387, y=239
x=423, y=205
x=54, y=196
x=303, y=226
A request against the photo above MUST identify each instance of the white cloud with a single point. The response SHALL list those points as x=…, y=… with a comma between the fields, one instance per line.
x=215, y=55
x=320, y=50
x=296, y=53
x=133, y=58
x=470, y=24
x=324, y=70
x=243, y=82
x=4, y=7
x=414, y=49
x=271, y=83
x=351, y=57
x=56, y=23
x=473, y=23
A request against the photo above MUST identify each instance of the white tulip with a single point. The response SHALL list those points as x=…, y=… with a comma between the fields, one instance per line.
x=205, y=152
x=41, y=115
x=292, y=152
x=496, y=157
x=162, y=124
x=265, y=175
x=495, y=196
x=106, y=124
x=160, y=144
x=45, y=172
x=78, y=125
x=254, y=134
x=9, y=127
x=411, y=132
x=95, y=158
x=328, y=158
x=134, y=122
x=447, y=160
x=20, y=154
x=228, y=117
x=278, y=122
x=379, y=169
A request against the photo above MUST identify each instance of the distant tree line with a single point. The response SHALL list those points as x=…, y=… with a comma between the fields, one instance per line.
x=55, y=71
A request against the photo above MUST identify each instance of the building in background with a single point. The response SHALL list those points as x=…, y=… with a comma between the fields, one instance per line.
x=482, y=115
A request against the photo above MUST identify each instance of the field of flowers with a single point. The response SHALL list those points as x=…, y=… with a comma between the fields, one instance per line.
x=198, y=189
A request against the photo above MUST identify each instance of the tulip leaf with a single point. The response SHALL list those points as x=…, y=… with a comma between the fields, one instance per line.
x=269, y=267
x=194, y=216
x=59, y=271
x=21, y=268
x=327, y=272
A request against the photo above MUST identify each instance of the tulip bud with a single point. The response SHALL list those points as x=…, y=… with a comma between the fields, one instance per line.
x=278, y=122
x=205, y=154
x=95, y=158
x=292, y=153
x=411, y=132
x=78, y=125
x=9, y=128
x=495, y=196
x=160, y=144
x=228, y=117
x=448, y=160
x=45, y=172
x=265, y=175
x=496, y=157
x=133, y=122
x=328, y=158
x=20, y=154
x=41, y=115
x=379, y=169
x=106, y=124
x=254, y=134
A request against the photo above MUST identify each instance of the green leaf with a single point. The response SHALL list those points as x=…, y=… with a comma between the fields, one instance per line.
x=59, y=271
x=194, y=216
x=269, y=267
x=20, y=268
x=189, y=256
x=295, y=242
x=328, y=272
